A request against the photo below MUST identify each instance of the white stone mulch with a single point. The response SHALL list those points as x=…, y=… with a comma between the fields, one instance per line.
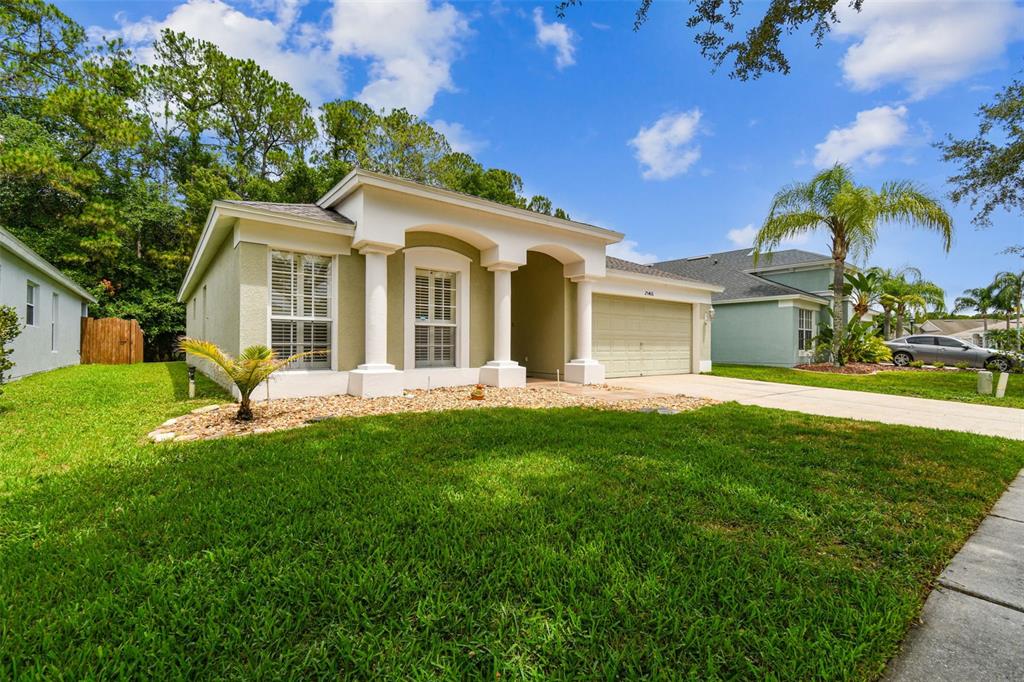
x=217, y=421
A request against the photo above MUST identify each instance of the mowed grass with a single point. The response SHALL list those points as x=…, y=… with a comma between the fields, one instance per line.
x=960, y=386
x=730, y=542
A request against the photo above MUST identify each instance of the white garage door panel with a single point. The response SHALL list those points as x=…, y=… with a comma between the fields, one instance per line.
x=634, y=337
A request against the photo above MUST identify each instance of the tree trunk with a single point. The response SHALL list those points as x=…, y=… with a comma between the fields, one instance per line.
x=838, y=309
x=886, y=323
x=244, y=410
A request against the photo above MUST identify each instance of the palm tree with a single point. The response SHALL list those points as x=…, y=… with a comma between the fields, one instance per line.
x=891, y=283
x=1010, y=287
x=246, y=372
x=982, y=299
x=851, y=214
x=915, y=301
x=864, y=289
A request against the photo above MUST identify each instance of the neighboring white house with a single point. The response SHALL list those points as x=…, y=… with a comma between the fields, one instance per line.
x=400, y=285
x=49, y=306
x=972, y=330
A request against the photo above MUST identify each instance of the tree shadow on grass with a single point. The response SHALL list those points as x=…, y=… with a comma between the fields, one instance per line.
x=563, y=543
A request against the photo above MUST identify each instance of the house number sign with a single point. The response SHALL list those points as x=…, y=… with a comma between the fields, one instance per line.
x=648, y=292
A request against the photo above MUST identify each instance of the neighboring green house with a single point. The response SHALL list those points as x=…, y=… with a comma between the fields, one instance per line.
x=768, y=313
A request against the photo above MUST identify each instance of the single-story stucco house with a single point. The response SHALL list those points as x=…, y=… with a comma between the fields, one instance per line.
x=49, y=304
x=768, y=313
x=400, y=285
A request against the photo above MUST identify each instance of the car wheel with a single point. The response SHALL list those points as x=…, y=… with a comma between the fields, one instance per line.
x=998, y=364
x=901, y=359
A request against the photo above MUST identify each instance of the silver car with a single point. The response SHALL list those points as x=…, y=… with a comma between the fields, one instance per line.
x=929, y=348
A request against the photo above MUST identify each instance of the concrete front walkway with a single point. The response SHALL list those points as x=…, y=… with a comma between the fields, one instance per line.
x=987, y=420
x=972, y=625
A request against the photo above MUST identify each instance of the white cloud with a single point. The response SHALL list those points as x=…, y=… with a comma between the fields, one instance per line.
x=628, y=249
x=743, y=237
x=410, y=46
x=925, y=45
x=558, y=36
x=664, y=149
x=460, y=139
x=310, y=67
x=872, y=132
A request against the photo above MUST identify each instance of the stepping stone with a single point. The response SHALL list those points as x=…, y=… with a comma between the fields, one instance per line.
x=161, y=436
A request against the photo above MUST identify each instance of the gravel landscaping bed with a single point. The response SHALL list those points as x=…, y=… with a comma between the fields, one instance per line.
x=217, y=421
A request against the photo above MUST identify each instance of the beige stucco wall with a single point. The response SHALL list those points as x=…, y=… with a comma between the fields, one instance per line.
x=351, y=310
x=253, y=293
x=705, y=346
x=543, y=315
x=221, y=312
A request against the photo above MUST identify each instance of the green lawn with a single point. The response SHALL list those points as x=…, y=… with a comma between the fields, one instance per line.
x=960, y=386
x=730, y=542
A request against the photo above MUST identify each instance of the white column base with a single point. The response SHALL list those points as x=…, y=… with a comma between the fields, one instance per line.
x=503, y=374
x=584, y=372
x=705, y=365
x=375, y=381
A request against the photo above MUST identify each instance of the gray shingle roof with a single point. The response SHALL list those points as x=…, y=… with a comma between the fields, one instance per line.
x=728, y=269
x=311, y=211
x=613, y=263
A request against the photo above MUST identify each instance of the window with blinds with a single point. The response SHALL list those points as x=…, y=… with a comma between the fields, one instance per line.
x=300, y=308
x=435, y=319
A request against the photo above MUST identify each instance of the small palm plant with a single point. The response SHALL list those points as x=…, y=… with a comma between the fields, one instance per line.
x=246, y=372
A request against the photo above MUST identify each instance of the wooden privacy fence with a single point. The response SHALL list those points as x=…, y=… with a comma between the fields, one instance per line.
x=111, y=341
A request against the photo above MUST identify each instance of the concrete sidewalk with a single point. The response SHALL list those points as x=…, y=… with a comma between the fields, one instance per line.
x=986, y=420
x=972, y=625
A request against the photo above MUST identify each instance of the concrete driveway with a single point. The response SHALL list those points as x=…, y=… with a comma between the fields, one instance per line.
x=986, y=420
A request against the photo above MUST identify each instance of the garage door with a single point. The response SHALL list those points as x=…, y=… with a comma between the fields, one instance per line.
x=634, y=337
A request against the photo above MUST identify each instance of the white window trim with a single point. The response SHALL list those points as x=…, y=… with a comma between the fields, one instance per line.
x=29, y=284
x=443, y=260
x=332, y=303
x=814, y=326
x=54, y=322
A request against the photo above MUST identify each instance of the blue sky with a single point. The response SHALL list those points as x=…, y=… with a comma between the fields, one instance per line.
x=632, y=130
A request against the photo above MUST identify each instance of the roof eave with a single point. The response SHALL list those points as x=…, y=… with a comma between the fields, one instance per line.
x=22, y=251
x=360, y=178
x=689, y=283
x=223, y=211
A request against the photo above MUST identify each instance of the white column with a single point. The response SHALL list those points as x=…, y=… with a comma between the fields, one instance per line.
x=503, y=370
x=584, y=319
x=584, y=369
x=375, y=377
x=376, y=311
x=502, y=317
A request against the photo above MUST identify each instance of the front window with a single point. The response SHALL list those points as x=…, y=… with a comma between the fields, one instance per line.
x=31, y=304
x=300, y=308
x=435, y=319
x=805, y=329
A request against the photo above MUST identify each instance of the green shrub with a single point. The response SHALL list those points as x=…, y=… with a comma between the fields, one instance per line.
x=938, y=364
x=10, y=327
x=918, y=364
x=860, y=344
x=873, y=350
x=963, y=365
